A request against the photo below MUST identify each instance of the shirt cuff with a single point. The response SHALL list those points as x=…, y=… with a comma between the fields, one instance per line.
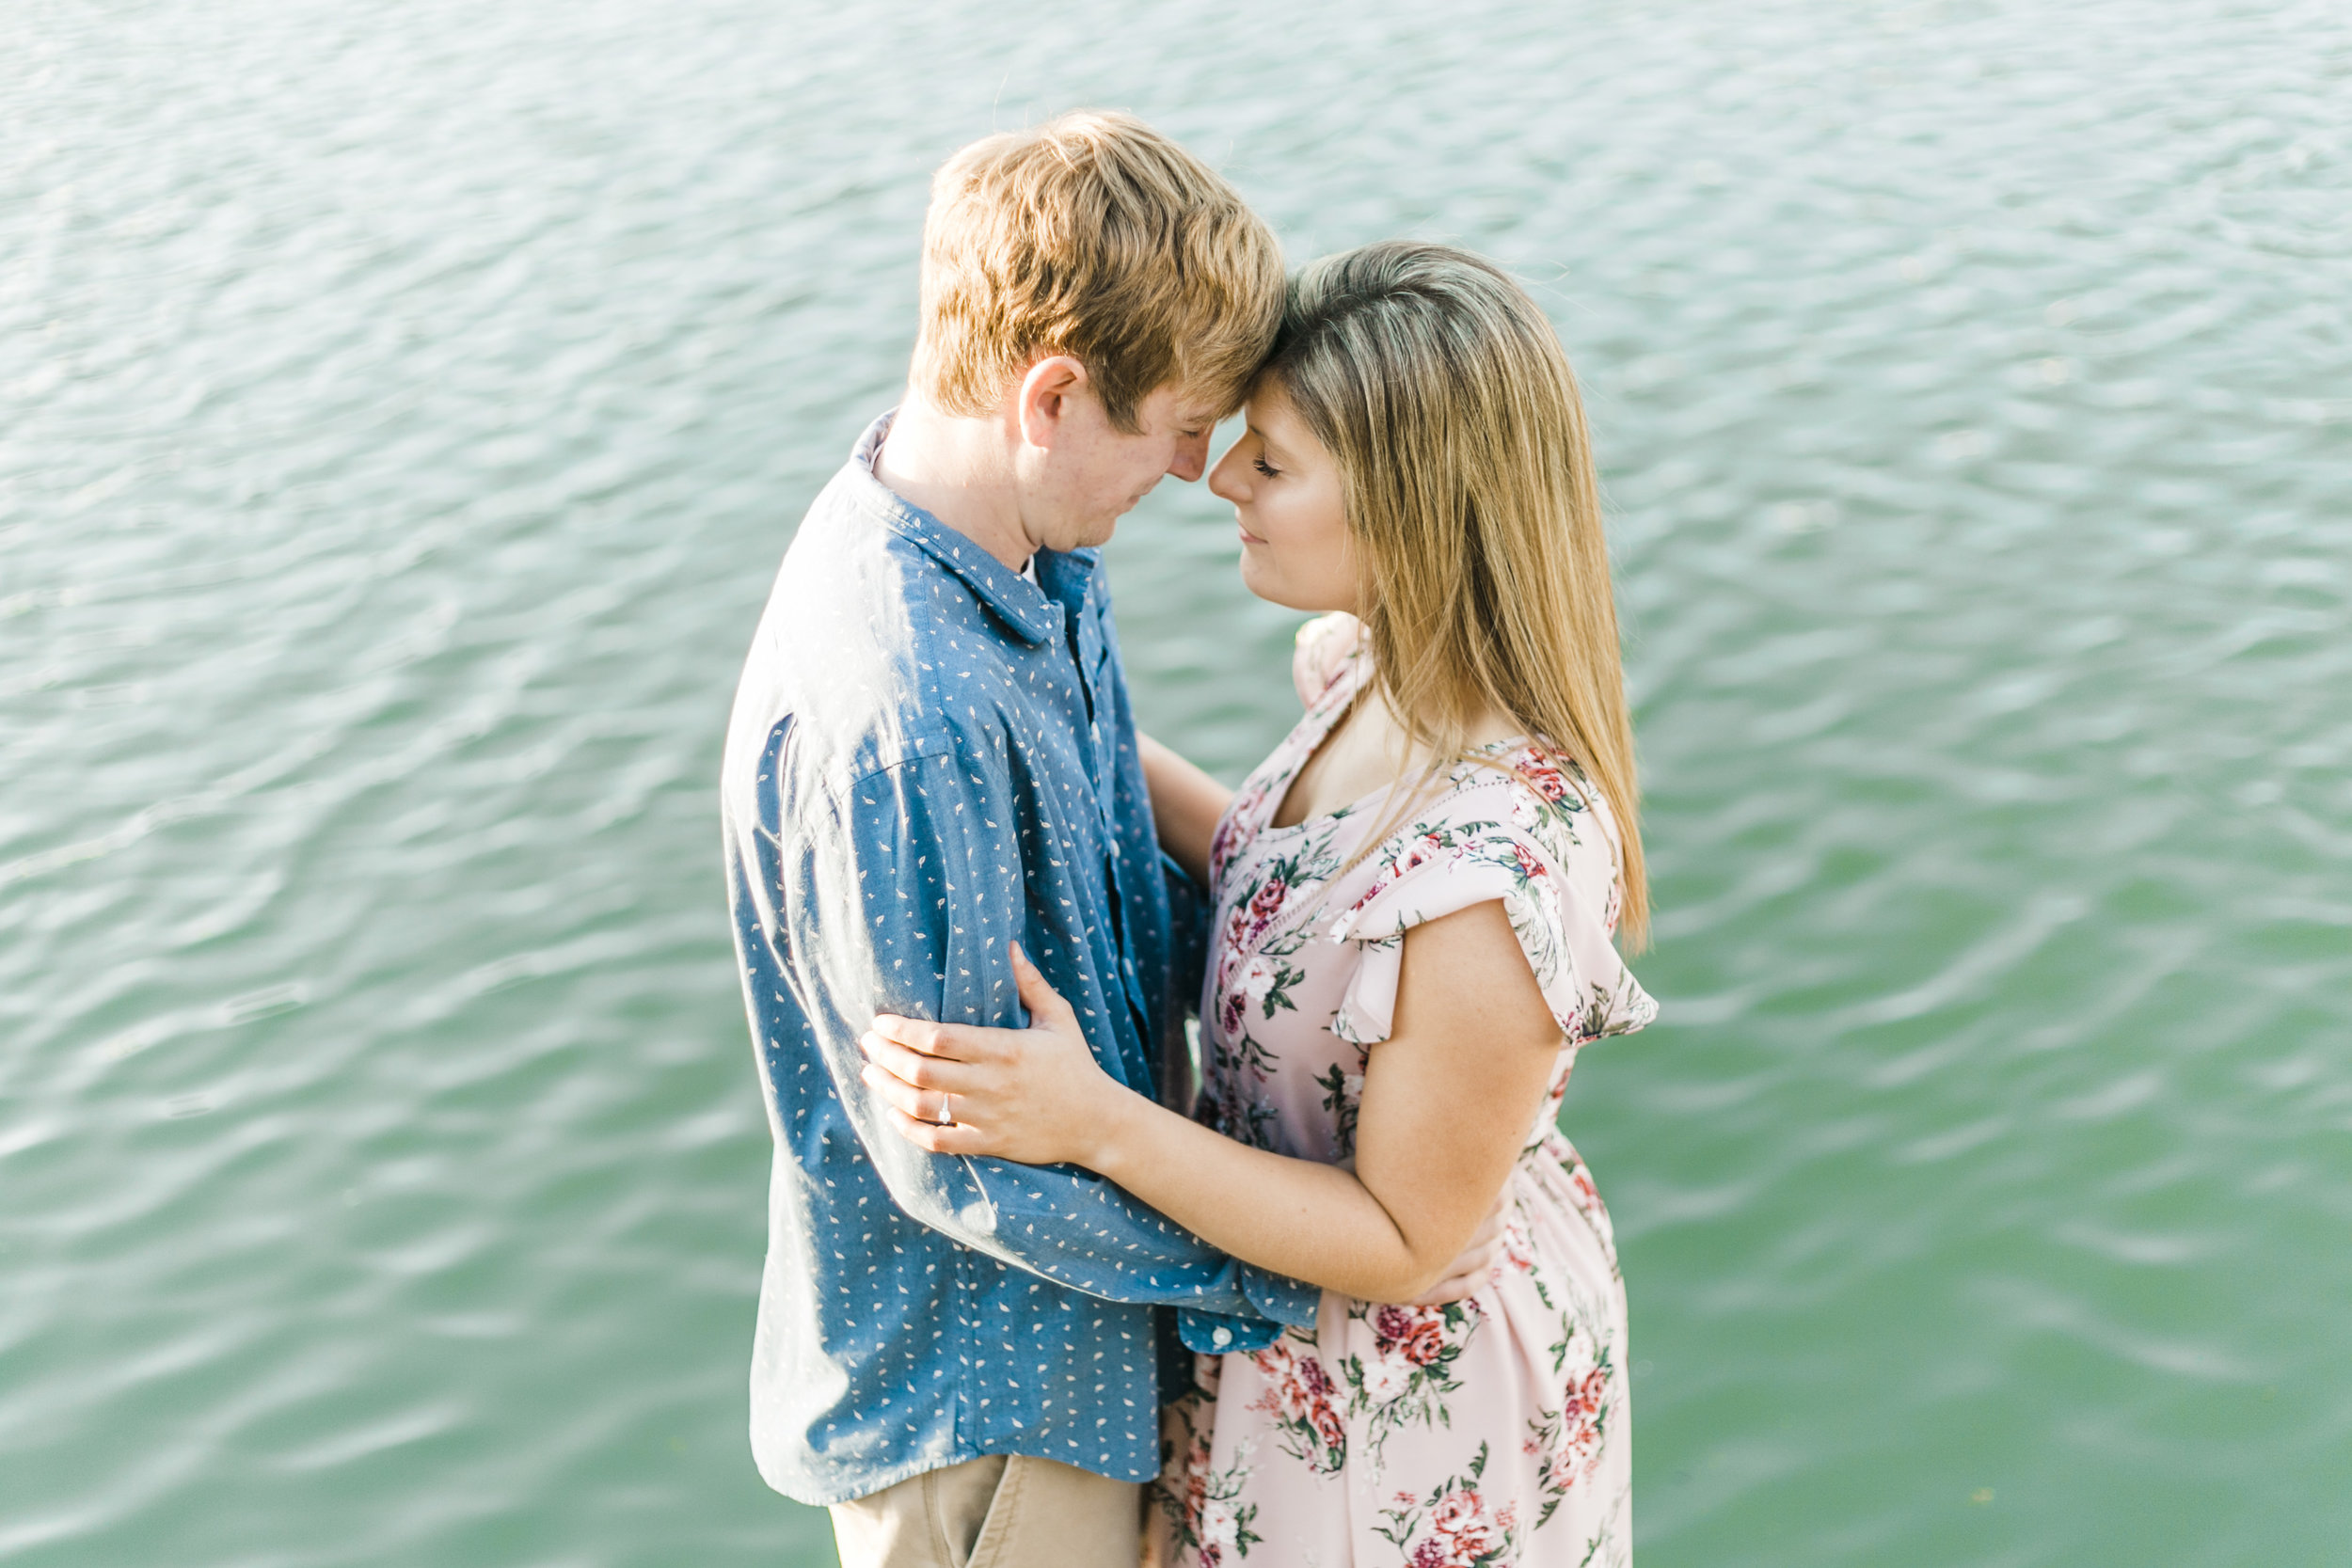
x=1278, y=1296
x=1214, y=1333
x=1283, y=1300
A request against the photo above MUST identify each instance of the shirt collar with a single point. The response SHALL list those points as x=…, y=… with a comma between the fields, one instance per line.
x=1021, y=605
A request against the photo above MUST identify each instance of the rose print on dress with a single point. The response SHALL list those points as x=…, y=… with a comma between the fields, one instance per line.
x=1425, y=843
x=1584, y=1197
x=1210, y=1520
x=1255, y=937
x=1454, y=1525
x=1565, y=1443
x=1253, y=976
x=1302, y=1400
x=1407, y=1373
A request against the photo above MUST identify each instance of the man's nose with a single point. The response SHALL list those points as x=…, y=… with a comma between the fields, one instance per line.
x=1192, y=458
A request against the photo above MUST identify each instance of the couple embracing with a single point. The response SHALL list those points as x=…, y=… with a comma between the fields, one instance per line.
x=1034, y=1298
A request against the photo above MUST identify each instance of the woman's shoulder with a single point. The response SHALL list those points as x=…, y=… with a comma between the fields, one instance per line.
x=1531, y=801
x=1544, y=785
x=1515, y=804
x=1519, y=822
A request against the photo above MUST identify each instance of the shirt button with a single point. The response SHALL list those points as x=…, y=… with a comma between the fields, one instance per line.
x=1222, y=1337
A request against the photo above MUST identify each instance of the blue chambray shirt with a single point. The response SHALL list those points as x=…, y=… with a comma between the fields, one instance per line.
x=930, y=756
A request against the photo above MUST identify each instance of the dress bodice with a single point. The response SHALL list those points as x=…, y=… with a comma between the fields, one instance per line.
x=1309, y=922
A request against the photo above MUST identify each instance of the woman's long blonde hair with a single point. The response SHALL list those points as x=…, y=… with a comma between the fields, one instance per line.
x=1441, y=389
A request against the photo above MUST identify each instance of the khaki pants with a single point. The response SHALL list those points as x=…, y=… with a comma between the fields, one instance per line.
x=994, y=1511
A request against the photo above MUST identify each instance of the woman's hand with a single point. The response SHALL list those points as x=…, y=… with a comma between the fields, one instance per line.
x=1469, y=1273
x=1473, y=1267
x=1033, y=1095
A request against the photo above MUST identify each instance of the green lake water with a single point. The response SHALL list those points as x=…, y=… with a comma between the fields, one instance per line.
x=404, y=407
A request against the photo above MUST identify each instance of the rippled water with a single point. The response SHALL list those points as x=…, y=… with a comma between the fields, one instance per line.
x=402, y=409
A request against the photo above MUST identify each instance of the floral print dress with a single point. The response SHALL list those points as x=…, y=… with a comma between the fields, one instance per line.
x=1493, y=1430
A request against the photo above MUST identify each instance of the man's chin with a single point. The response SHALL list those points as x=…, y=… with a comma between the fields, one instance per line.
x=1074, y=533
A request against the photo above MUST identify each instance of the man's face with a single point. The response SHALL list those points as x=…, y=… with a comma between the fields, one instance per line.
x=1094, y=473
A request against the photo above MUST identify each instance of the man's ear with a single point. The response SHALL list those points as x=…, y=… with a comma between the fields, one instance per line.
x=1046, y=397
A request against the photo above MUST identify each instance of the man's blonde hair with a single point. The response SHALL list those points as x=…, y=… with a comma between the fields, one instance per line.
x=1471, y=502
x=1093, y=236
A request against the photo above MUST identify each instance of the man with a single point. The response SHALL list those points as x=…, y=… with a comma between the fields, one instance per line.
x=931, y=756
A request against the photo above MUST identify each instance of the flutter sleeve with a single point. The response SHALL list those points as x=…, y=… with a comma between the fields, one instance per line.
x=1485, y=842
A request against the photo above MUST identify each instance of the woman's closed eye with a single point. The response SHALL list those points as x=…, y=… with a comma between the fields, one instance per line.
x=1268, y=469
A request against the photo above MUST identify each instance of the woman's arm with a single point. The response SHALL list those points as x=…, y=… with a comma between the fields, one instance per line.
x=1185, y=802
x=1448, y=1100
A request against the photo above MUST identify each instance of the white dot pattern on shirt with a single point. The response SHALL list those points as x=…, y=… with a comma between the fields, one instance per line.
x=926, y=738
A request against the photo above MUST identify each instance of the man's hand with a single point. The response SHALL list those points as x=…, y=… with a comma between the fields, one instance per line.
x=1035, y=1095
x=1322, y=645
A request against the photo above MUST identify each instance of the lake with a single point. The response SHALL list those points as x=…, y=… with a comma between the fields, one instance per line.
x=403, y=408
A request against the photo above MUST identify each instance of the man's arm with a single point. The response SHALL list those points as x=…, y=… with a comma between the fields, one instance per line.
x=904, y=903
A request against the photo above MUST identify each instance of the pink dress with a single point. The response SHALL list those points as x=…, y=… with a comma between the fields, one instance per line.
x=1494, y=1431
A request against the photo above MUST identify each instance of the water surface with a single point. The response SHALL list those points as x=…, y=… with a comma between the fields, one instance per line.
x=402, y=409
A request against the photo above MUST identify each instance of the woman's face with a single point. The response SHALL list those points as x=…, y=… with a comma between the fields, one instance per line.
x=1287, y=498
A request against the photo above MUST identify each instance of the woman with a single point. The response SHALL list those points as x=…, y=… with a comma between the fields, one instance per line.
x=1415, y=897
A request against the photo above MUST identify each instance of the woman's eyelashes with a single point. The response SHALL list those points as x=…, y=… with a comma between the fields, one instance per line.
x=1268, y=469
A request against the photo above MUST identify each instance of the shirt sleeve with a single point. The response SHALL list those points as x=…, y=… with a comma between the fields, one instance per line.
x=904, y=903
